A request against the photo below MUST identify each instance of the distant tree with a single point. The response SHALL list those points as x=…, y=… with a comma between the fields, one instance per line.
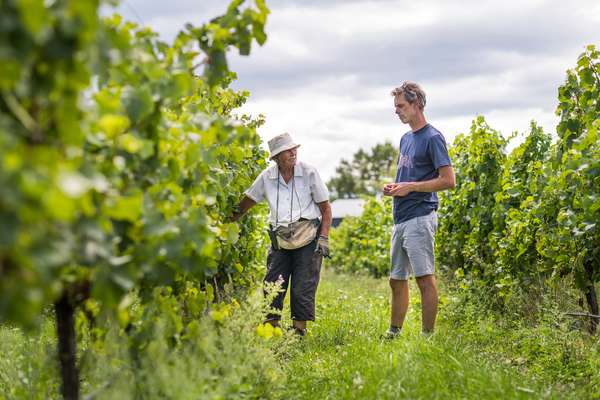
x=366, y=172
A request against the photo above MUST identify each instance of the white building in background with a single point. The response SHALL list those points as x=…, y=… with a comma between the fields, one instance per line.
x=342, y=208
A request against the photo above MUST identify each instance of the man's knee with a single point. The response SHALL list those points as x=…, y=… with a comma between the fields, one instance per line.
x=426, y=282
x=397, y=284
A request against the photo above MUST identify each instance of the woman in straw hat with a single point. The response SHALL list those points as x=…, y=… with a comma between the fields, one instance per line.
x=300, y=217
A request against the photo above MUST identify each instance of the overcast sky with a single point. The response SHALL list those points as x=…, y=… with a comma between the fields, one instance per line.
x=328, y=66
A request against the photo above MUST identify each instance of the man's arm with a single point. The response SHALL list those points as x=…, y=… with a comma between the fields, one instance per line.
x=323, y=240
x=325, y=208
x=242, y=208
x=445, y=180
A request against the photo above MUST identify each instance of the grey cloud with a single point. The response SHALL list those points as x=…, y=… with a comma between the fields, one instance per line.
x=432, y=53
x=147, y=10
x=501, y=45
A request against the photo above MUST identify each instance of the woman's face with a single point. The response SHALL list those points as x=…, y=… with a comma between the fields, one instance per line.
x=287, y=159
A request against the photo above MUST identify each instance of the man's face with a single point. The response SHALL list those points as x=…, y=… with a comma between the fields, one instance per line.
x=406, y=111
x=287, y=158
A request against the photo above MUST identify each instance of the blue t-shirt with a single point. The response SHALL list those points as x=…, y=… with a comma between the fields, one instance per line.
x=421, y=154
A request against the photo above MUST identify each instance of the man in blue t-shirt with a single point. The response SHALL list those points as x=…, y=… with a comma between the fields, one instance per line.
x=424, y=168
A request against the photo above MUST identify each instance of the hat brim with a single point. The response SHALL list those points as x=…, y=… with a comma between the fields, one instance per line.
x=284, y=148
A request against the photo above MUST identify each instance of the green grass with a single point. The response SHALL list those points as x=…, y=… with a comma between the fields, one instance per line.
x=28, y=368
x=472, y=355
x=344, y=357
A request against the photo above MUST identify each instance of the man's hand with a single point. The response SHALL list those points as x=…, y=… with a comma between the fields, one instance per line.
x=323, y=246
x=241, y=209
x=445, y=180
x=397, y=189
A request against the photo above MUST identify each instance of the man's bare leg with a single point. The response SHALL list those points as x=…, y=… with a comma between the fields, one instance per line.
x=429, y=302
x=399, y=301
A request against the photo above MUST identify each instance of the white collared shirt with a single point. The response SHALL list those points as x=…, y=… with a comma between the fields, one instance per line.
x=308, y=187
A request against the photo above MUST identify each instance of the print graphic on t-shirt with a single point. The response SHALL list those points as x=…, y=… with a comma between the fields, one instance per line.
x=405, y=161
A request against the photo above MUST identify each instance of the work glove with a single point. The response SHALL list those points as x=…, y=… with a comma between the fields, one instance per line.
x=323, y=246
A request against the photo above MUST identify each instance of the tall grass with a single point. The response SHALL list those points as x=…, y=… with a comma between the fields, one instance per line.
x=345, y=358
x=217, y=359
x=472, y=355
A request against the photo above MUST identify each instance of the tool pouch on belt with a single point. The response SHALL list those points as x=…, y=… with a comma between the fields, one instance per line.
x=295, y=235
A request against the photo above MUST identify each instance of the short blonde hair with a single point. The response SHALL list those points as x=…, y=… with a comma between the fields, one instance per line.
x=412, y=92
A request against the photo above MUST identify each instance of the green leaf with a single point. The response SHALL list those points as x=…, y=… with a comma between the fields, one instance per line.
x=230, y=233
x=259, y=33
x=126, y=208
x=134, y=145
x=217, y=67
x=587, y=76
x=34, y=15
x=244, y=41
x=113, y=125
x=10, y=226
x=59, y=206
x=138, y=103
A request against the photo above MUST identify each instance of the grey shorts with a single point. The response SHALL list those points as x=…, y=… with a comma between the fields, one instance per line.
x=412, y=247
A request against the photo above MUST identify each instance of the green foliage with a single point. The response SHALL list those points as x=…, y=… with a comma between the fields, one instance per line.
x=466, y=219
x=543, y=341
x=191, y=355
x=473, y=354
x=362, y=244
x=43, y=69
x=366, y=173
x=236, y=28
x=115, y=156
x=28, y=367
x=573, y=191
x=519, y=221
x=516, y=223
x=194, y=355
